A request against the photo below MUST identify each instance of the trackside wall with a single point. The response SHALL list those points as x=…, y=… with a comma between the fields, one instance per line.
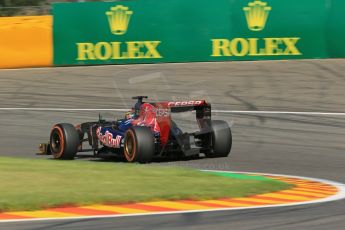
x=154, y=31
x=26, y=41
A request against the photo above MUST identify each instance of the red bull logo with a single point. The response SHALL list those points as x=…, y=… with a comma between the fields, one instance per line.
x=108, y=140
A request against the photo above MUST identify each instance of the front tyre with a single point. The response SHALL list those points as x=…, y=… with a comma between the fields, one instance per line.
x=221, y=139
x=64, y=141
x=139, y=144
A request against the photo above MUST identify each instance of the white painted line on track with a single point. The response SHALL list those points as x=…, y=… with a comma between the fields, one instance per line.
x=215, y=111
x=59, y=109
x=279, y=112
x=338, y=196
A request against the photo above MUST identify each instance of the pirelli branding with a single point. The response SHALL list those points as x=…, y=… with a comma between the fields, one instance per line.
x=119, y=18
x=256, y=15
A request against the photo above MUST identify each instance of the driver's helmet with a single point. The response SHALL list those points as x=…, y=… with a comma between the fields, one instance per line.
x=130, y=114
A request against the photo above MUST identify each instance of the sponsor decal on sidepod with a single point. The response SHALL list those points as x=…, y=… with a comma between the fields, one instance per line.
x=108, y=140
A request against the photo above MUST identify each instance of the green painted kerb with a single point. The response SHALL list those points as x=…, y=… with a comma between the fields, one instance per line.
x=240, y=176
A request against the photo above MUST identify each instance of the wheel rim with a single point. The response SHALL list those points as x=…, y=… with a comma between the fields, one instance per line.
x=57, y=142
x=130, y=146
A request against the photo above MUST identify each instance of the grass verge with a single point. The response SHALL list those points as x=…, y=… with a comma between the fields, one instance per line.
x=30, y=184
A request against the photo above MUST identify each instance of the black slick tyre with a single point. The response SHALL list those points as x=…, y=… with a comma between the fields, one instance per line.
x=221, y=139
x=139, y=144
x=64, y=141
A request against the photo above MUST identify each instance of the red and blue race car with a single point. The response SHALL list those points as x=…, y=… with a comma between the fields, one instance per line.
x=146, y=132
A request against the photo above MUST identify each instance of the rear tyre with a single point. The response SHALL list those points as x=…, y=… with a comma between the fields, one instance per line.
x=64, y=141
x=139, y=144
x=220, y=138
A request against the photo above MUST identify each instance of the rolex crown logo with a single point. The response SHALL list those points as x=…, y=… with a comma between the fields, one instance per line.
x=256, y=14
x=119, y=17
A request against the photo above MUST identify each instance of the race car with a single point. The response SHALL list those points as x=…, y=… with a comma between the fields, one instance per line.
x=147, y=131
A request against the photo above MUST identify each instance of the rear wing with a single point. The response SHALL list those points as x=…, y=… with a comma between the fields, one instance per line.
x=201, y=107
x=184, y=106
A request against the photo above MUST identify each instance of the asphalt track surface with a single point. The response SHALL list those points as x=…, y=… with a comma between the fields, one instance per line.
x=305, y=145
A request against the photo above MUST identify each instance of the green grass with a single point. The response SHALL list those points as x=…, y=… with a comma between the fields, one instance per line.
x=29, y=184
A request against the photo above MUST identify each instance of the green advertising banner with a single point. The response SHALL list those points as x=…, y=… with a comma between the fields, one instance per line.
x=152, y=31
